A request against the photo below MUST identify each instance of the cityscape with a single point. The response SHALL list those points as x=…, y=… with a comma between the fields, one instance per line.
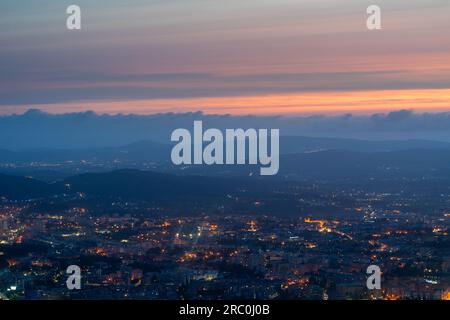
x=227, y=249
x=211, y=154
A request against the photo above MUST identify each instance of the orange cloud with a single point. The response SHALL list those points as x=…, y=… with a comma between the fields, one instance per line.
x=283, y=104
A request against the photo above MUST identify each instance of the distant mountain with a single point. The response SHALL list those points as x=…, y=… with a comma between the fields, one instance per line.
x=324, y=165
x=139, y=151
x=198, y=182
x=149, y=151
x=340, y=164
x=298, y=144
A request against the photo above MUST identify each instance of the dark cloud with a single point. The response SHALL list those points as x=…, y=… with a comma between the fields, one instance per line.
x=36, y=129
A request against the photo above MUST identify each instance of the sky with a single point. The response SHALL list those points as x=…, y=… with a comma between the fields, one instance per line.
x=237, y=57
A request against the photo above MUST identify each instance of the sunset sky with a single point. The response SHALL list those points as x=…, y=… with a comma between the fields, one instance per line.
x=217, y=56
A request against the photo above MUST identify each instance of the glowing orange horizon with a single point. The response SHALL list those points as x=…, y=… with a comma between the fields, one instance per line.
x=357, y=102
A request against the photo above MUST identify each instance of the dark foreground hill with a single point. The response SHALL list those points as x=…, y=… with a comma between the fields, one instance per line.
x=146, y=185
x=20, y=188
x=130, y=184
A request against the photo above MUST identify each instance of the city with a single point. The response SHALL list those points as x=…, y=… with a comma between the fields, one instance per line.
x=127, y=255
x=194, y=157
